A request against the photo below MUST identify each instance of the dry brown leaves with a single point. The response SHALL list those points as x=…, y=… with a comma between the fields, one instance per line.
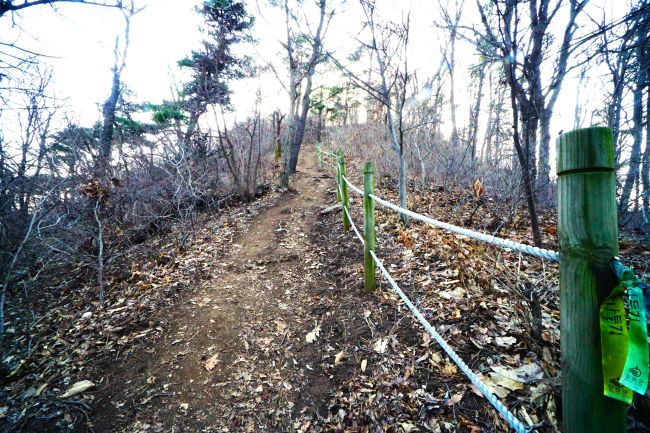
x=68, y=340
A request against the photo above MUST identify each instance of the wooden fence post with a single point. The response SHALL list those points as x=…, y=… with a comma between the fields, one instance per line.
x=369, y=265
x=345, y=199
x=319, y=154
x=338, y=178
x=588, y=236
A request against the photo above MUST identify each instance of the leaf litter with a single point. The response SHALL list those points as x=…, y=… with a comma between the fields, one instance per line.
x=365, y=366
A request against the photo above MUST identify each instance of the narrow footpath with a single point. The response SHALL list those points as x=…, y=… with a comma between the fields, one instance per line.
x=242, y=352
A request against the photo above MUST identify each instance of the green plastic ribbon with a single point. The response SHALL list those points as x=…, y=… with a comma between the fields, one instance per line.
x=624, y=352
x=635, y=373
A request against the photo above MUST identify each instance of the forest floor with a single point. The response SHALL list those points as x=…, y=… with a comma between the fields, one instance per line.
x=260, y=325
x=234, y=356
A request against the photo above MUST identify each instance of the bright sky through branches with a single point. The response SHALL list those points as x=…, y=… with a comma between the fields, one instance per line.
x=82, y=39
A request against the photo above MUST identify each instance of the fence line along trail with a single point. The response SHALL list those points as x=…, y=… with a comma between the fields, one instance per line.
x=600, y=376
x=299, y=327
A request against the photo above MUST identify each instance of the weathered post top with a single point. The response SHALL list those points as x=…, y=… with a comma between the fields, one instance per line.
x=589, y=149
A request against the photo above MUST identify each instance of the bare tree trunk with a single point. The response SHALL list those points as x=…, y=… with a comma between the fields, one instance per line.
x=108, y=124
x=618, y=72
x=402, y=182
x=301, y=120
x=258, y=160
x=319, y=126
x=491, y=146
x=637, y=120
x=578, y=115
x=530, y=125
x=525, y=175
x=288, y=138
x=277, y=127
x=545, y=107
x=369, y=100
x=544, y=186
x=192, y=124
x=301, y=123
x=473, y=126
x=294, y=82
x=529, y=121
x=645, y=173
x=451, y=64
x=108, y=110
x=229, y=155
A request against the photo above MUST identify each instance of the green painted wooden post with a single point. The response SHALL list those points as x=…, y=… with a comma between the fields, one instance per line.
x=345, y=199
x=588, y=236
x=338, y=179
x=319, y=154
x=369, y=265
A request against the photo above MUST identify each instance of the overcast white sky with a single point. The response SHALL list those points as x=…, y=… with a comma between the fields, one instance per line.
x=82, y=39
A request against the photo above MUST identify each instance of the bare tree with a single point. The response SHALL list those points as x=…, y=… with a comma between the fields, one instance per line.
x=535, y=97
x=617, y=58
x=276, y=119
x=109, y=107
x=475, y=109
x=301, y=72
x=242, y=151
x=451, y=24
x=532, y=102
x=642, y=60
x=388, y=44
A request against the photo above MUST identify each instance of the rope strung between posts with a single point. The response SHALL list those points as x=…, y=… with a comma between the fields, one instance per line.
x=500, y=242
x=490, y=239
x=347, y=212
x=353, y=226
x=352, y=187
x=510, y=418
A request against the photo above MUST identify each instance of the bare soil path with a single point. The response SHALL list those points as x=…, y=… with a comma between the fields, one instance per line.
x=234, y=356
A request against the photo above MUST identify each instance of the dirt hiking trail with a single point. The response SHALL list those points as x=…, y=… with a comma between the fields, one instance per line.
x=274, y=334
x=235, y=355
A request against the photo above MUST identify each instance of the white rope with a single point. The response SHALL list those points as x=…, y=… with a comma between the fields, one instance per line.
x=352, y=187
x=510, y=418
x=345, y=209
x=500, y=242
